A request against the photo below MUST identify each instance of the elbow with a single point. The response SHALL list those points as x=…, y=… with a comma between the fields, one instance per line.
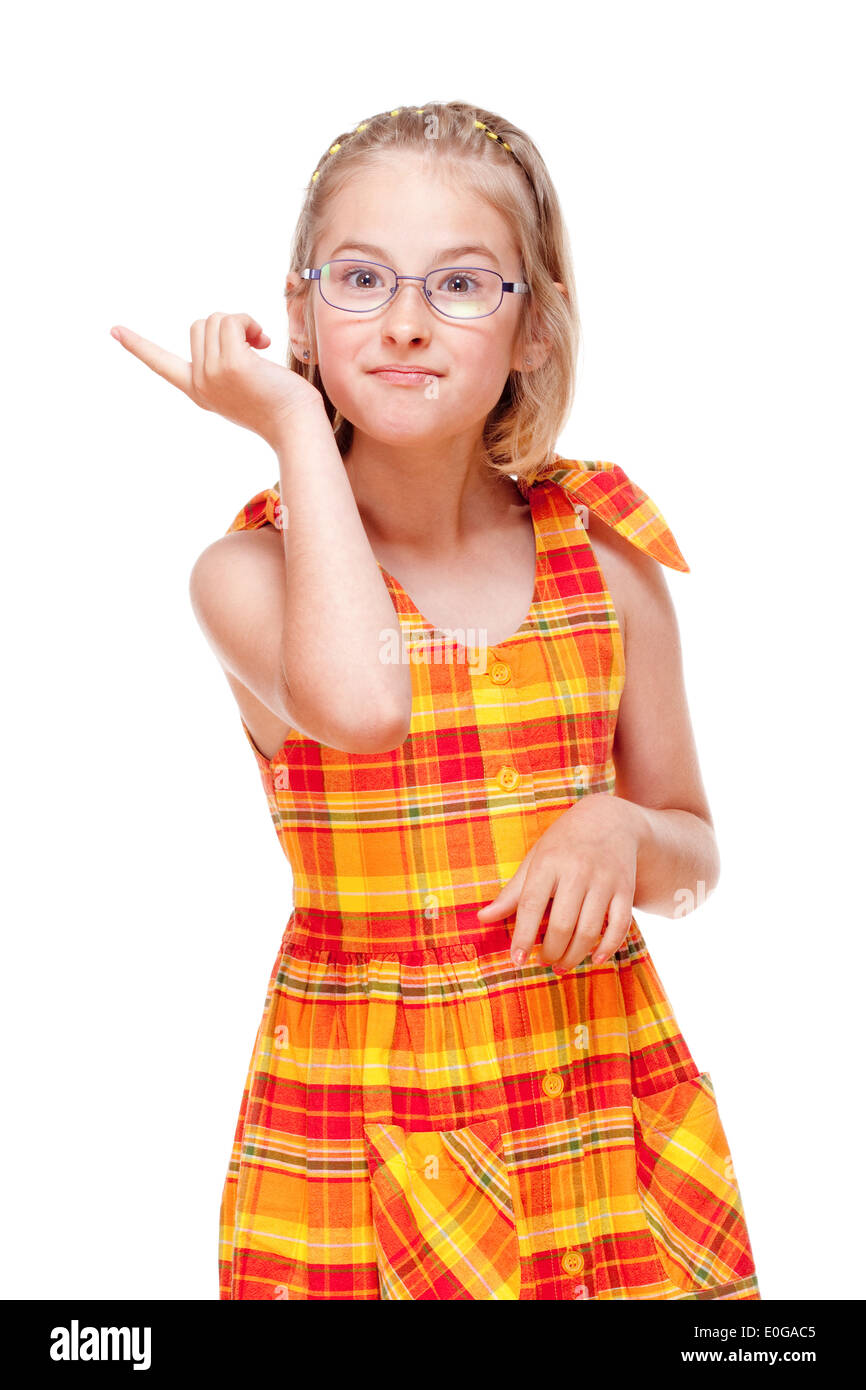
x=389, y=730
x=706, y=872
x=364, y=725
x=383, y=737
x=368, y=733
x=713, y=864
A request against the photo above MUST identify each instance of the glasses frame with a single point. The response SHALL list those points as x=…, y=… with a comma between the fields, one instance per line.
x=507, y=286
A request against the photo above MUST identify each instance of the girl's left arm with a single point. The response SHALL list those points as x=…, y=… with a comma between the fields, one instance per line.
x=652, y=845
x=654, y=752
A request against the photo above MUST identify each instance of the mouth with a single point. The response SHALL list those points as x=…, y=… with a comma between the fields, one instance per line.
x=404, y=376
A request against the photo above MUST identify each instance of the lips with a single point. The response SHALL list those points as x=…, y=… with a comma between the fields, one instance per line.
x=408, y=371
x=402, y=376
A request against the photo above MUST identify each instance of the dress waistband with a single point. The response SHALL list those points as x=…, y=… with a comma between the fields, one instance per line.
x=347, y=933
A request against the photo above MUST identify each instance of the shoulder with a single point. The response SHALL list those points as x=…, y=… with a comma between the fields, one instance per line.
x=635, y=580
x=251, y=540
x=629, y=535
x=237, y=570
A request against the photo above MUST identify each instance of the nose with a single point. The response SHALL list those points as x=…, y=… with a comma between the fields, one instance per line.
x=408, y=315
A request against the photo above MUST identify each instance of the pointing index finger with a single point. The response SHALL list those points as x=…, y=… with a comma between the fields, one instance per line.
x=164, y=363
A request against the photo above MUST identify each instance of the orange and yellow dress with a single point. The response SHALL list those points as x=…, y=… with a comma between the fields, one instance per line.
x=421, y=1119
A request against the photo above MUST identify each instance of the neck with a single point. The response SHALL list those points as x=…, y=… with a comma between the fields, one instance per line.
x=428, y=498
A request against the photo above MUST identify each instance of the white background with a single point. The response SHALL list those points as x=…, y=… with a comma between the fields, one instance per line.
x=709, y=161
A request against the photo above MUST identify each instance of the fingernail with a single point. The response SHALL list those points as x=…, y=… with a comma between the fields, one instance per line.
x=518, y=956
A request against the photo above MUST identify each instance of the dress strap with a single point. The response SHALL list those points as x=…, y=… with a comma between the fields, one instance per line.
x=263, y=508
x=606, y=490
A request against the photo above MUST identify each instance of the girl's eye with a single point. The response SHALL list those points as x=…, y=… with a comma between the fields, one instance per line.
x=460, y=284
x=360, y=278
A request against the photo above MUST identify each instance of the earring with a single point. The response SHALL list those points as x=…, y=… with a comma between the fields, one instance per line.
x=306, y=354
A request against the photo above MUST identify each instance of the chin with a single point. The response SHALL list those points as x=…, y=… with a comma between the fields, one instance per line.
x=405, y=421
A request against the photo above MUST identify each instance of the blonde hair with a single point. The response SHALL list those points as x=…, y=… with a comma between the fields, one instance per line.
x=521, y=431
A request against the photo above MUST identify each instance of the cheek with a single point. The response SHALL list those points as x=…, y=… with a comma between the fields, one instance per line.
x=488, y=358
x=333, y=375
x=481, y=378
x=337, y=341
x=337, y=355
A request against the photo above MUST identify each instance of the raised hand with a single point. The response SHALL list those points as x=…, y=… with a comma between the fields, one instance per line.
x=226, y=374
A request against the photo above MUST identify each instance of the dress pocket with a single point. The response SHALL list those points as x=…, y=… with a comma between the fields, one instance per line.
x=689, y=1193
x=443, y=1212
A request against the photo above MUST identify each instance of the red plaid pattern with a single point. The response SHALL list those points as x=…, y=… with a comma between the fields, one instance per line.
x=420, y=1119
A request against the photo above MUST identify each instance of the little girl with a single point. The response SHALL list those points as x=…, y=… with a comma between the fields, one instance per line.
x=468, y=1081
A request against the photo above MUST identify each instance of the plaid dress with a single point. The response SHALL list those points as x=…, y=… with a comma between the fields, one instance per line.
x=421, y=1119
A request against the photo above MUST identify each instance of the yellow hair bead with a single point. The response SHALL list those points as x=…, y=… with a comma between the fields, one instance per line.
x=419, y=110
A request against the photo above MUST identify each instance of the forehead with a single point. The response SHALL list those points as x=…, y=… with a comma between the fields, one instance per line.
x=411, y=208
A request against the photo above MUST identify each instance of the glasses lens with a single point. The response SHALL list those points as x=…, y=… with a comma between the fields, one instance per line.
x=356, y=285
x=464, y=292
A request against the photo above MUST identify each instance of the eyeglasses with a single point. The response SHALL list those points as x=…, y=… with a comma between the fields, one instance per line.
x=457, y=291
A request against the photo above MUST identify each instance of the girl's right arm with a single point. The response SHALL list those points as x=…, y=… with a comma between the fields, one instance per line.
x=307, y=638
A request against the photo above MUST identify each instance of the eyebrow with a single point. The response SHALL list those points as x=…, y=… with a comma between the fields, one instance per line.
x=438, y=256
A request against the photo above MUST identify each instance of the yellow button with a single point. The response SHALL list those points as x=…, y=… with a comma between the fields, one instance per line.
x=572, y=1262
x=552, y=1084
x=508, y=777
x=500, y=673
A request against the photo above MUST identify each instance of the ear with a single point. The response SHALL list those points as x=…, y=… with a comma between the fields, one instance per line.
x=297, y=320
x=538, y=349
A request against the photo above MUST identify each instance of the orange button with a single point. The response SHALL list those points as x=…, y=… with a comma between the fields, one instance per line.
x=572, y=1262
x=500, y=673
x=552, y=1084
x=508, y=778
